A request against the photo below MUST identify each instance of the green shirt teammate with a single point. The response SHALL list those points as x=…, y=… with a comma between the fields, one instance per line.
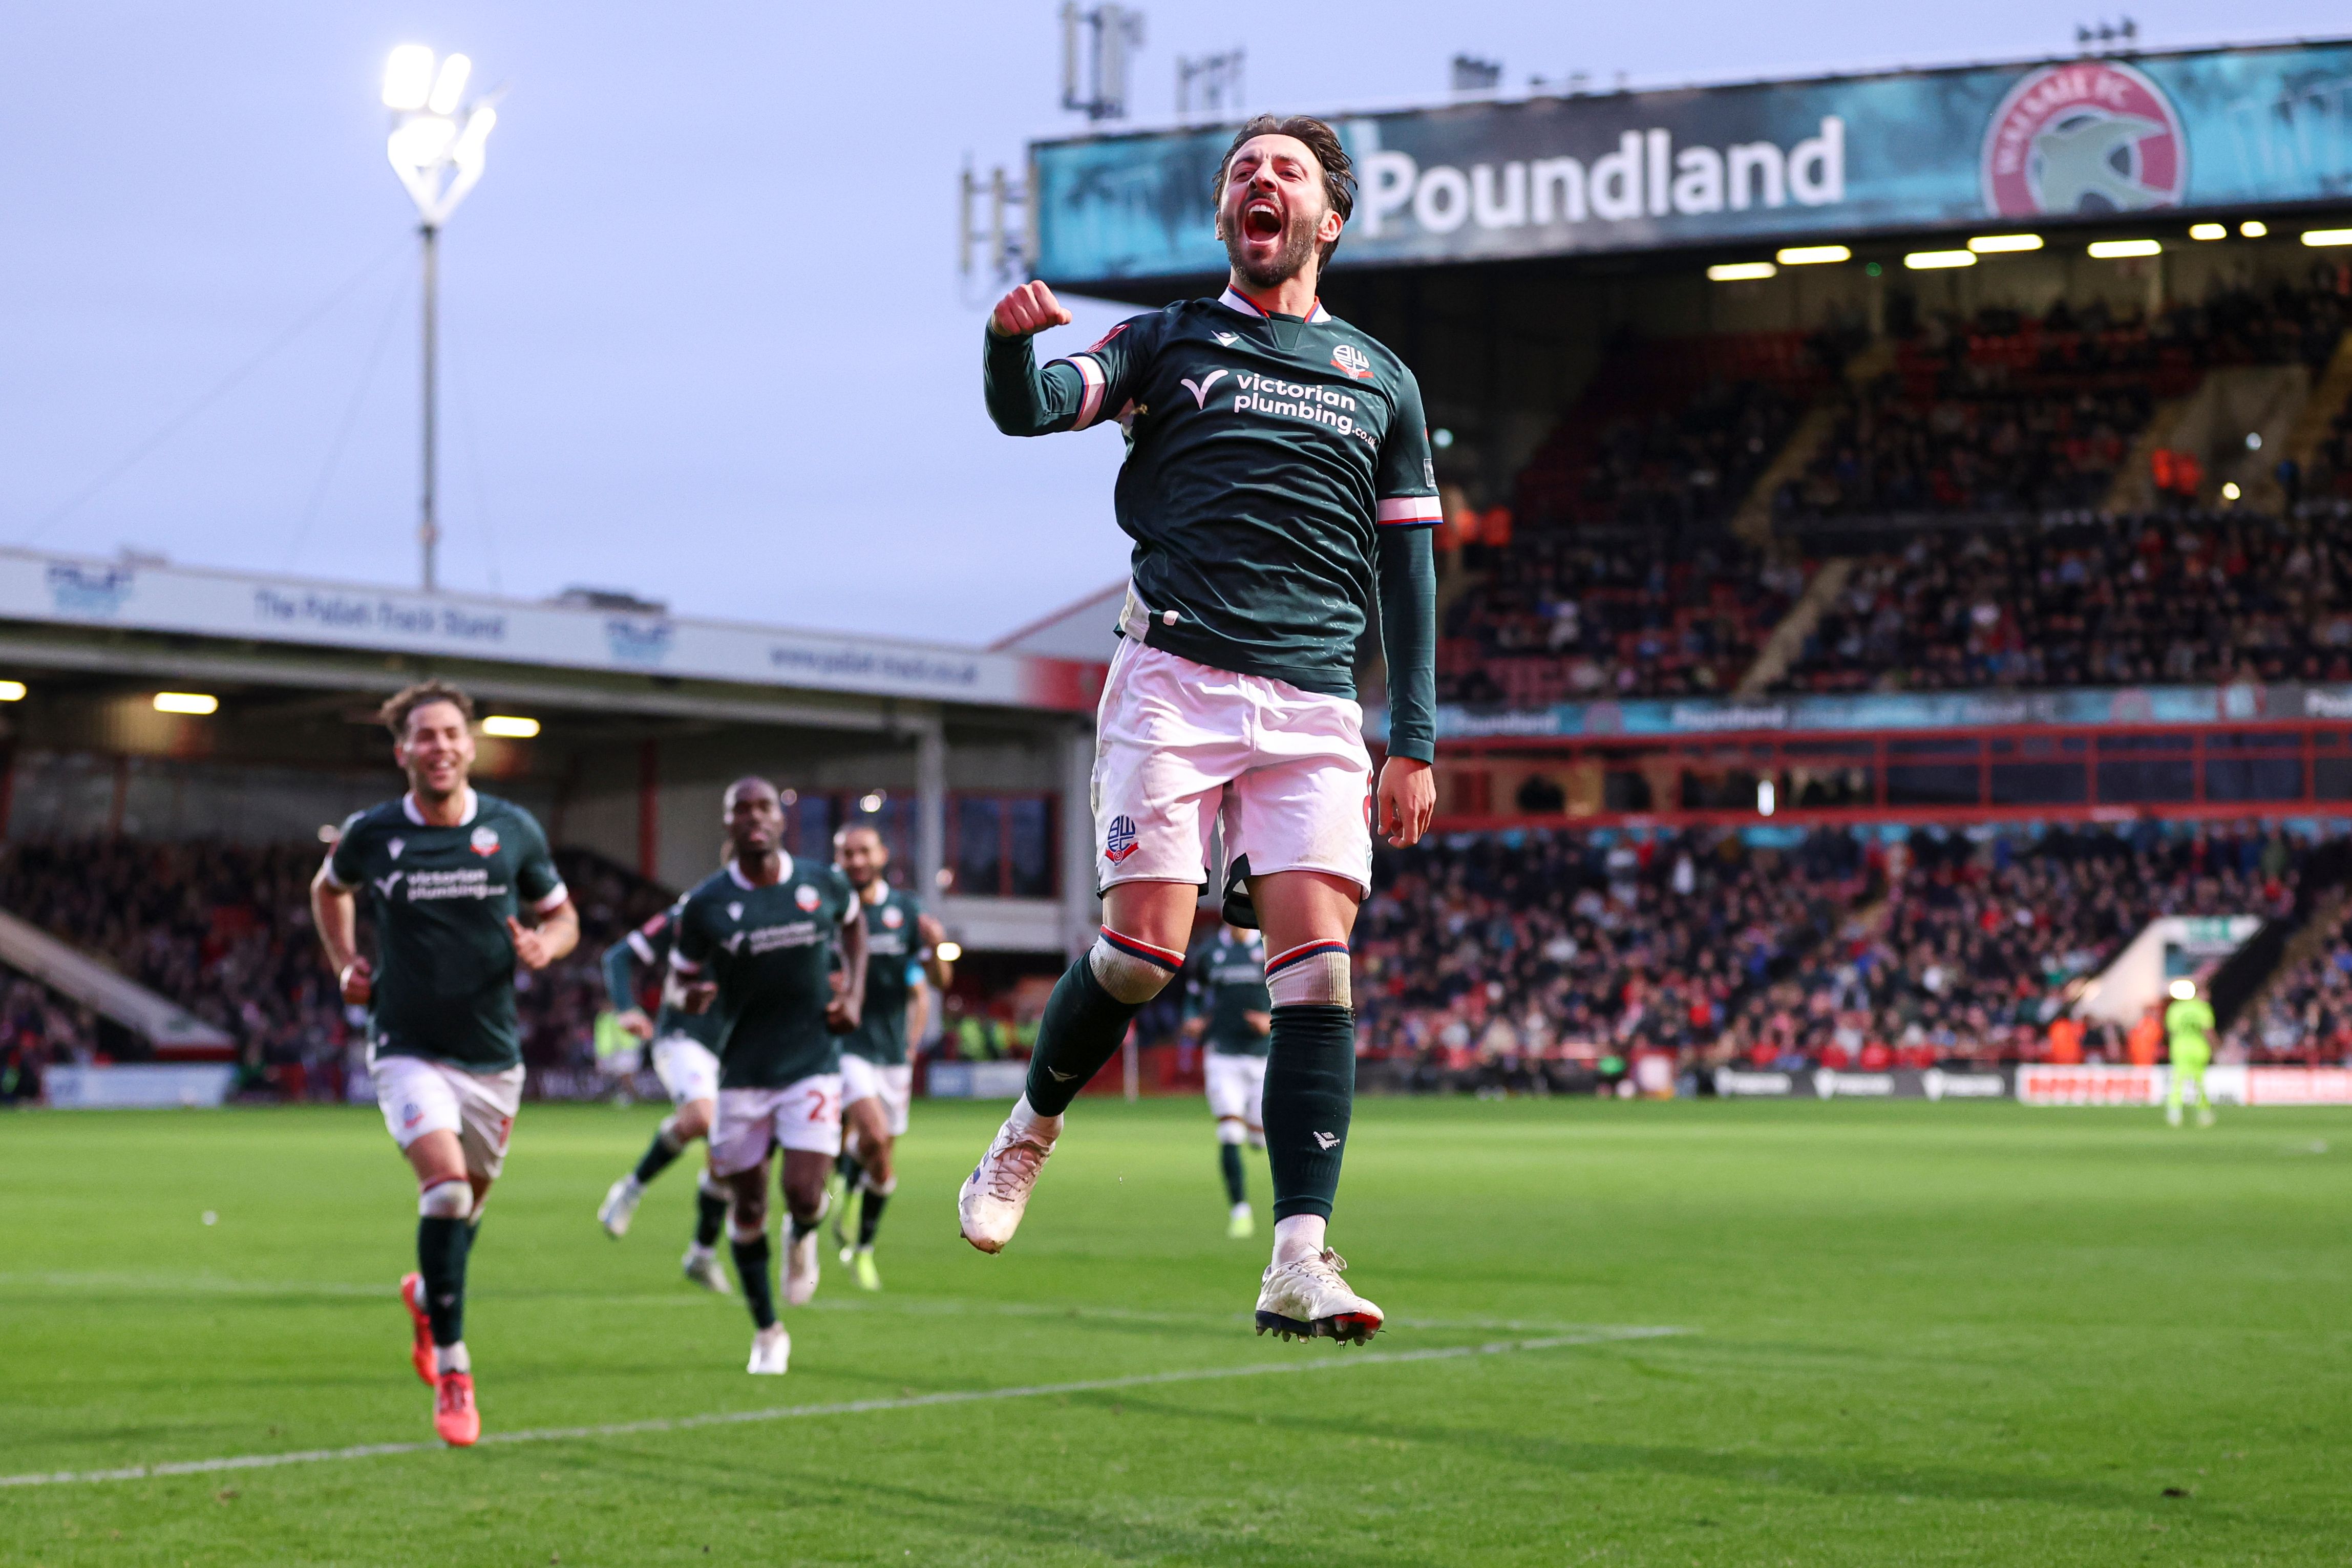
x=756, y=941
x=877, y=1082
x=686, y=1059
x=2189, y=1040
x=1278, y=486
x=444, y=871
x=1228, y=1008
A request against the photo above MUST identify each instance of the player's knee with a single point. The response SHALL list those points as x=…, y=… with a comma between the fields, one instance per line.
x=743, y=1232
x=451, y=1199
x=1229, y=1130
x=806, y=1197
x=1129, y=973
x=1312, y=974
x=690, y=1122
x=881, y=1183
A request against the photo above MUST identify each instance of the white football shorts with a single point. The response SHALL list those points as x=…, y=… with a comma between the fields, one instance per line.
x=1236, y=1088
x=805, y=1115
x=686, y=1067
x=893, y=1086
x=1176, y=743
x=419, y=1097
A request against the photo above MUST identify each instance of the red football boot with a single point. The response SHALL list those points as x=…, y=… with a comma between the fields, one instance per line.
x=420, y=1348
x=453, y=1416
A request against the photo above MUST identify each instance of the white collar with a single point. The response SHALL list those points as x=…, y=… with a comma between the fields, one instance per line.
x=785, y=859
x=1234, y=299
x=408, y=805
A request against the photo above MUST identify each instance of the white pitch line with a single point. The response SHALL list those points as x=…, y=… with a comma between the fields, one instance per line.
x=844, y=1407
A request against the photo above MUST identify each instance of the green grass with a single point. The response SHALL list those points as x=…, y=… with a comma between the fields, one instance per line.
x=1916, y=1334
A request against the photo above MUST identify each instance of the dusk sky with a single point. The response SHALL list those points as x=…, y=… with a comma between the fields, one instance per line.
x=704, y=337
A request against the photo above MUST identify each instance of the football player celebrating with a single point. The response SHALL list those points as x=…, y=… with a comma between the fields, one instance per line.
x=445, y=870
x=1278, y=486
x=756, y=941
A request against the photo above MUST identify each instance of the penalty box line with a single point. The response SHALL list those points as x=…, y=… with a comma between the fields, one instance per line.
x=844, y=1407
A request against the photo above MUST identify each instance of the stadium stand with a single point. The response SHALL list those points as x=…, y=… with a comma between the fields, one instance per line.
x=2306, y=1017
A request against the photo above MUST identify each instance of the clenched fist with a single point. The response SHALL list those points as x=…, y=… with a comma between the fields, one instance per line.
x=1031, y=308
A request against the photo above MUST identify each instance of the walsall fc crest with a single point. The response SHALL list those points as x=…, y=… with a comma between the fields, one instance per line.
x=2085, y=137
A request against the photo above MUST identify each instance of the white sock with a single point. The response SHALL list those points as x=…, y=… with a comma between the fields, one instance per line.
x=699, y=1253
x=1027, y=1124
x=1299, y=1237
x=451, y=1358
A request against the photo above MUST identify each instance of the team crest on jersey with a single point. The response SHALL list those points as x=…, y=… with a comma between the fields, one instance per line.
x=1354, y=361
x=891, y=918
x=396, y=846
x=807, y=898
x=484, y=841
x=734, y=912
x=1119, y=842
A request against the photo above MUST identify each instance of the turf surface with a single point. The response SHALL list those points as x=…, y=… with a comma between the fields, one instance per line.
x=1914, y=1334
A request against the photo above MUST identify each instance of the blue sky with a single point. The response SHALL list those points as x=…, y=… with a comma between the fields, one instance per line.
x=704, y=337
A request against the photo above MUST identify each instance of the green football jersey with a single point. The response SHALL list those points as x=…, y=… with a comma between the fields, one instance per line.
x=651, y=944
x=771, y=950
x=1224, y=980
x=440, y=898
x=892, y=943
x=2189, y=1022
x=1265, y=456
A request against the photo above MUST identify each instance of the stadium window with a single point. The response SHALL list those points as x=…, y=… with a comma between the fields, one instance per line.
x=2040, y=783
x=2254, y=778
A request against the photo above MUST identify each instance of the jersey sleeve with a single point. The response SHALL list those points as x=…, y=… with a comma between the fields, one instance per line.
x=1071, y=393
x=852, y=905
x=537, y=880
x=344, y=871
x=620, y=981
x=1405, y=488
x=689, y=946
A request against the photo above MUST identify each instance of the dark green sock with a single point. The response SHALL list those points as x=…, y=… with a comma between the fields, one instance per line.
x=709, y=1216
x=441, y=1247
x=658, y=1154
x=1229, y=1160
x=847, y=1167
x=869, y=1214
x=1310, y=1089
x=758, y=1282
x=1082, y=1030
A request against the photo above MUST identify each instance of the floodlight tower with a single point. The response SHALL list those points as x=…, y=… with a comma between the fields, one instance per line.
x=436, y=148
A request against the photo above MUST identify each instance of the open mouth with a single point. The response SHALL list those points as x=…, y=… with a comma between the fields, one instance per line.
x=1261, y=220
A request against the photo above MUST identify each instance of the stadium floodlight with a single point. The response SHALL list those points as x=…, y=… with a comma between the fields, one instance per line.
x=510, y=727
x=2327, y=236
x=948, y=951
x=871, y=802
x=1767, y=802
x=2253, y=228
x=2183, y=989
x=1931, y=260
x=1739, y=271
x=1997, y=244
x=12, y=691
x=2208, y=231
x=2121, y=249
x=437, y=146
x=1812, y=255
x=2254, y=440
x=2231, y=491
x=198, y=703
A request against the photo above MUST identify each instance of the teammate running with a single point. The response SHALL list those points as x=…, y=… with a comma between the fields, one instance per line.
x=876, y=1082
x=445, y=870
x=685, y=1058
x=1277, y=483
x=2189, y=1038
x=761, y=932
x=1226, y=1007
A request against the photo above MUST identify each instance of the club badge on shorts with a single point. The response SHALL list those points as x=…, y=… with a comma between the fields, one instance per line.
x=1119, y=842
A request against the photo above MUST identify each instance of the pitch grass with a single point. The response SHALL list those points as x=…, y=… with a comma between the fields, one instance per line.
x=1919, y=1333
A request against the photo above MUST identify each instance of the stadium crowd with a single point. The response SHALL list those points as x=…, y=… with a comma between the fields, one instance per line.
x=2305, y=1017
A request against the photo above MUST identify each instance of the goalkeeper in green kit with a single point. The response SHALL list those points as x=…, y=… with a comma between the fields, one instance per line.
x=2188, y=1035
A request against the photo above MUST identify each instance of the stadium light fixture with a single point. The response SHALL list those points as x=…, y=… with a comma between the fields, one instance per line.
x=2208, y=231
x=2229, y=491
x=1812, y=255
x=1996, y=244
x=2327, y=236
x=1441, y=437
x=197, y=703
x=1931, y=260
x=1766, y=798
x=12, y=691
x=510, y=727
x=2254, y=440
x=871, y=802
x=2253, y=228
x=437, y=146
x=948, y=951
x=1739, y=271
x=2122, y=249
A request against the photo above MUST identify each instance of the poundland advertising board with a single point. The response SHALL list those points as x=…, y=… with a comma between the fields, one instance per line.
x=2065, y=139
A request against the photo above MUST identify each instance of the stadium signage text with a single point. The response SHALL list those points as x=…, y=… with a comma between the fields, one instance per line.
x=1757, y=163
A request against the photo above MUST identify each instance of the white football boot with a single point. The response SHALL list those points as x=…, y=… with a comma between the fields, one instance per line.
x=620, y=1205
x=1305, y=1298
x=772, y=1351
x=800, y=1270
x=996, y=1193
x=700, y=1264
